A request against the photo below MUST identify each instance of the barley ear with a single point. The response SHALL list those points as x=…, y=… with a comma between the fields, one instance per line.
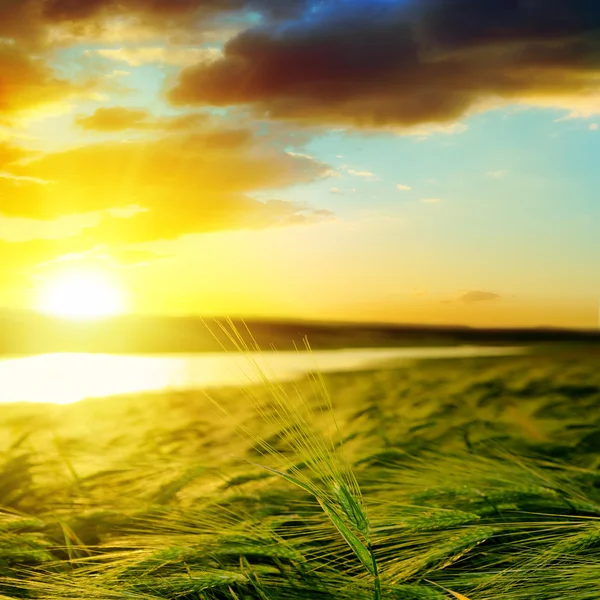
x=357, y=546
x=353, y=510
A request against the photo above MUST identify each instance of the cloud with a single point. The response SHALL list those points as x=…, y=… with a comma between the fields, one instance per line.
x=114, y=119
x=161, y=10
x=405, y=63
x=27, y=83
x=43, y=23
x=431, y=200
x=360, y=173
x=303, y=217
x=365, y=174
x=403, y=188
x=118, y=118
x=475, y=296
x=26, y=230
x=500, y=174
x=40, y=25
x=114, y=195
x=18, y=180
x=594, y=127
x=160, y=188
x=10, y=154
x=335, y=190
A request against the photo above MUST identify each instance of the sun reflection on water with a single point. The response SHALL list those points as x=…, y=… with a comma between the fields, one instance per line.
x=68, y=378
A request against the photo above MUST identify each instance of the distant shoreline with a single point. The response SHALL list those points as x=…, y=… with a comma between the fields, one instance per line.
x=23, y=334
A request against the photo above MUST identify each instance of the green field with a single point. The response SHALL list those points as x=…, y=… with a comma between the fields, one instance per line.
x=477, y=479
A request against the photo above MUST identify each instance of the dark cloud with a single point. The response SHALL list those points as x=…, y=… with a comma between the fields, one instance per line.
x=459, y=24
x=404, y=63
x=20, y=19
x=61, y=10
x=474, y=296
x=30, y=30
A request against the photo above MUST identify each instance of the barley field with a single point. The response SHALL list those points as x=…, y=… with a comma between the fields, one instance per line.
x=473, y=479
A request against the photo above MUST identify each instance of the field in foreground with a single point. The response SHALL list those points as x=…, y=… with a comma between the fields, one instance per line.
x=479, y=477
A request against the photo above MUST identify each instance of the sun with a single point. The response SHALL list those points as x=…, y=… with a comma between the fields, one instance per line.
x=81, y=295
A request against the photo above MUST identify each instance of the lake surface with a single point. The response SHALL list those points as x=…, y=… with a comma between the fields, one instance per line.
x=67, y=378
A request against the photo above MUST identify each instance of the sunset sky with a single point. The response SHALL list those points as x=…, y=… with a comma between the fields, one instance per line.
x=432, y=161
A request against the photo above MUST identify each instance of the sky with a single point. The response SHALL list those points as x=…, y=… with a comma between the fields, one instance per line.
x=406, y=161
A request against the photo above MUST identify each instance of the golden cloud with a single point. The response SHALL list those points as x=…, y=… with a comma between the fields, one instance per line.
x=114, y=119
x=118, y=118
x=475, y=296
x=27, y=83
x=179, y=184
x=11, y=154
x=115, y=195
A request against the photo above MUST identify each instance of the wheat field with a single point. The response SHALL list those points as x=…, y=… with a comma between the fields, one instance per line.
x=473, y=479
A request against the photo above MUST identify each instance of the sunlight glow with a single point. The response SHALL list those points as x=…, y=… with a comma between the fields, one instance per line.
x=81, y=295
x=65, y=378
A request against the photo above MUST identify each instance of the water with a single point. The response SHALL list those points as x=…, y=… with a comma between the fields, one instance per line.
x=68, y=378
